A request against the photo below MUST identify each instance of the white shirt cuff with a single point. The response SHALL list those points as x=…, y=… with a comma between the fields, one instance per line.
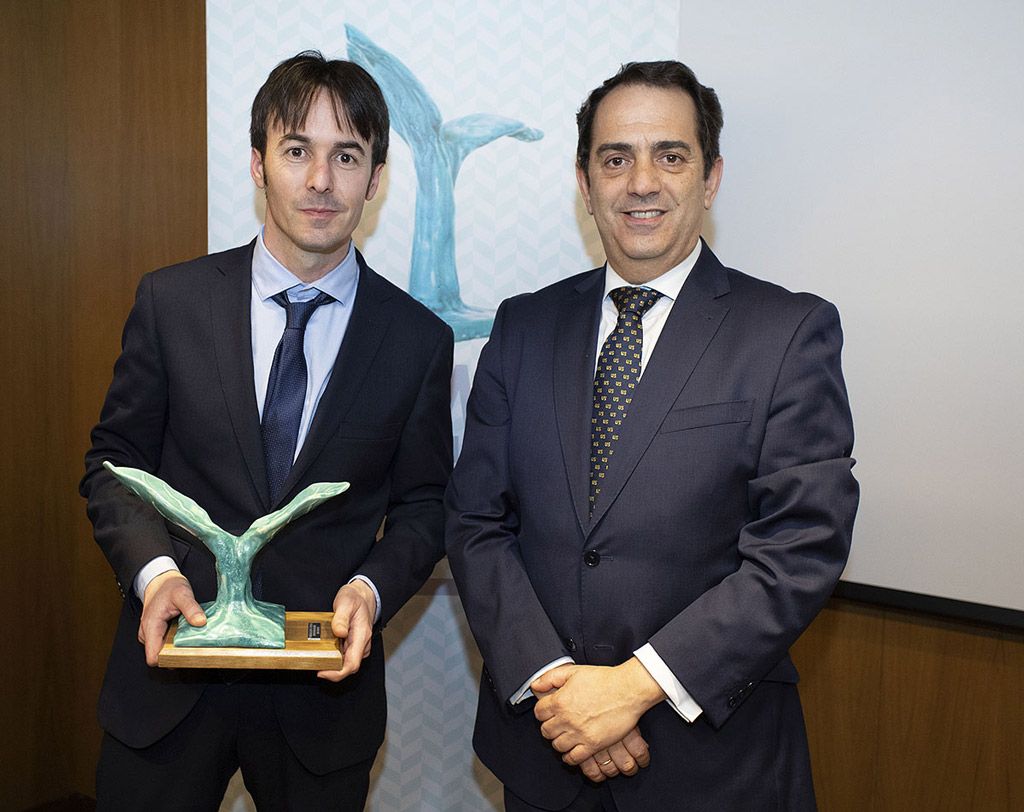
x=678, y=697
x=524, y=691
x=376, y=594
x=158, y=566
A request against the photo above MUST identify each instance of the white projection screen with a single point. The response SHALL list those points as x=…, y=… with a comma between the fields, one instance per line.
x=873, y=156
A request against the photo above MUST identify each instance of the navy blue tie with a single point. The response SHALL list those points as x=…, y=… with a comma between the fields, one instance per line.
x=286, y=392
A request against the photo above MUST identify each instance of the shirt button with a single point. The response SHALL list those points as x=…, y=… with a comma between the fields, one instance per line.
x=591, y=558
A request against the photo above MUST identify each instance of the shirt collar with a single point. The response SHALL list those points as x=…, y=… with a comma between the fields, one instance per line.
x=668, y=284
x=270, y=277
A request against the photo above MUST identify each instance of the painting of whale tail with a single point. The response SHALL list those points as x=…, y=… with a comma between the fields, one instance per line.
x=235, y=617
x=438, y=150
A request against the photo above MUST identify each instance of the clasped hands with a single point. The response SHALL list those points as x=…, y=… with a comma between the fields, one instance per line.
x=170, y=594
x=590, y=715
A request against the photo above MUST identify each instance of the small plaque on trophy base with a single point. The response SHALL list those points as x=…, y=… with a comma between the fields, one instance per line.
x=309, y=645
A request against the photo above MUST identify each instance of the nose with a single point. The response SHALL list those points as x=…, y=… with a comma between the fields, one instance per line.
x=319, y=179
x=643, y=178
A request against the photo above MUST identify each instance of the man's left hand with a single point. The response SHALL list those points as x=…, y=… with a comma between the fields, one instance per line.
x=626, y=757
x=354, y=610
x=594, y=706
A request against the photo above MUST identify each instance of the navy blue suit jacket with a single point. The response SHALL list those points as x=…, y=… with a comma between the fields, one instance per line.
x=182, y=405
x=720, y=532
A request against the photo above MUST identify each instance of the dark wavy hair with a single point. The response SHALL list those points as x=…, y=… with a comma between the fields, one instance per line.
x=669, y=74
x=293, y=85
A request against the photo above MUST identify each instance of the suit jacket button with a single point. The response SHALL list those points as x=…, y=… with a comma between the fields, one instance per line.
x=591, y=558
x=570, y=644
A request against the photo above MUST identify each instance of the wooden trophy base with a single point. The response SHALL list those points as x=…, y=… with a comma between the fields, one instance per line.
x=309, y=645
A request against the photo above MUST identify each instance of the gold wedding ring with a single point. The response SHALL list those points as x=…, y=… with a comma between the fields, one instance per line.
x=605, y=763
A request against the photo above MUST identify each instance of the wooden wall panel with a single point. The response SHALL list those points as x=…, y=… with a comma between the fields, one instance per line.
x=32, y=210
x=910, y=712
x=840, y=663
x=104, y=179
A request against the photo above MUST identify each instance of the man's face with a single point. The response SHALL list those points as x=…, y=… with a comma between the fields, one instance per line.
x=316, y=180
x=646, y=188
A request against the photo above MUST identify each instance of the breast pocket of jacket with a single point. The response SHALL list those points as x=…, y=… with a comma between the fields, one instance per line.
x=708, y=414
x=370, y=445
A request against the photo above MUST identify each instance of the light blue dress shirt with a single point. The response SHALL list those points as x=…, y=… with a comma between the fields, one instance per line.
x=324, y=331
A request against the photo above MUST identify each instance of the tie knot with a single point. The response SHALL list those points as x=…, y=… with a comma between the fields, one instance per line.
x=299, y=313
x=636, y=300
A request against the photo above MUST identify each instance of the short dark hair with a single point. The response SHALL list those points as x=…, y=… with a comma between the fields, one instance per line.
x=670, y=74
x=293, y=85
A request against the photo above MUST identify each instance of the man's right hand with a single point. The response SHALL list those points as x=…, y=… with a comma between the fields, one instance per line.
x=168, y=595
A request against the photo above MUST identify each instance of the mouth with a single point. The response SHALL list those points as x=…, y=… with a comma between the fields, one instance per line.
x=318, y=213
x=644, y=215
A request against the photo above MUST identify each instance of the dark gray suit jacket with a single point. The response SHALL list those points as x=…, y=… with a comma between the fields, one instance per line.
x=182, y=405
x=722, y=527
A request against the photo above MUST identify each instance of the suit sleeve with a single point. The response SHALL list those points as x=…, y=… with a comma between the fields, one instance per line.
x=510, y=626
x=802, y=502
x=130, y=432
x=413, y=536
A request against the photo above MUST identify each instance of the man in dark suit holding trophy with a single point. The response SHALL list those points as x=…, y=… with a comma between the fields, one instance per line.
x=245, y=376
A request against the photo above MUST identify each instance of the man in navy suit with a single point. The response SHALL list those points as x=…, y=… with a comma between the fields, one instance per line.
x=203, y=397
x=655, y=497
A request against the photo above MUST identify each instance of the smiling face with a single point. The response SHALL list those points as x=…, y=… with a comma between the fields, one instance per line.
x=316, y=178
x=646, y=187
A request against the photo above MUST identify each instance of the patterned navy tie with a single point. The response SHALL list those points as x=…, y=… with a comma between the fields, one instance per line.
x=286, y=392
x=618, y=370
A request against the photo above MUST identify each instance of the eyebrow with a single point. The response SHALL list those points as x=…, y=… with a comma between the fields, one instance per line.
x=682, y=146
x=355, y=146
x=658, y=146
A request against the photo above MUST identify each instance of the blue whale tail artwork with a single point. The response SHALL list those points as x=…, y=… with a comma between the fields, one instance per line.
x=438, y=150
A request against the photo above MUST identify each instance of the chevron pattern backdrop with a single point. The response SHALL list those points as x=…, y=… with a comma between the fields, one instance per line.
x=519, y=225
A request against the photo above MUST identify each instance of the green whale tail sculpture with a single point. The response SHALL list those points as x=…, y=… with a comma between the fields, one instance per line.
x=235, y=617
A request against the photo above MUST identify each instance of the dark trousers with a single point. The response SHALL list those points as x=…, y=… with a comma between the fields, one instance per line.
x=592, y=798
x=231, y=727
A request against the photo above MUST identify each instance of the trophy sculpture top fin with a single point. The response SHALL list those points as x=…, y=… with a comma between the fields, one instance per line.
x=235, y=618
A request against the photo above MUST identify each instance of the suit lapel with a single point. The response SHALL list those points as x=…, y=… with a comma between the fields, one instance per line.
x=232, y=330
x=692, y=323
x=573, y=368
x=365, y=332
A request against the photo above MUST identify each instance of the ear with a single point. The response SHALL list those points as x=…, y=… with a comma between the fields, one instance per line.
x=256, y=169
x=712, y=182
x=371, y=188
x=584, y=184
